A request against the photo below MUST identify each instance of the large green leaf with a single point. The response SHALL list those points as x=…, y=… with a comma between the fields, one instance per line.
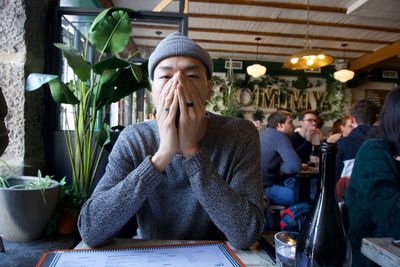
x=111, y=33
x=61, y=93
x=137, y=72
x=75, y=60
x=125, y=84
x=109, y=63
x=105, y=88
x=36, y=80
x=104, y=137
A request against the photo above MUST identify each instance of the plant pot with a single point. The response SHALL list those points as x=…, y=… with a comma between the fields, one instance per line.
x=67, y=223
x=23, y=213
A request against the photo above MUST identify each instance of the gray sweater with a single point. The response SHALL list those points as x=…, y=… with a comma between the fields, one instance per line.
x=277, y=157
x=214, y=195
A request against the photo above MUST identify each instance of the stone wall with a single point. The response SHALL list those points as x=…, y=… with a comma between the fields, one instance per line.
x=22, y=35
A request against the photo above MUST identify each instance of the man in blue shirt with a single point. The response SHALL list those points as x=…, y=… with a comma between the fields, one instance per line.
x=279, y=161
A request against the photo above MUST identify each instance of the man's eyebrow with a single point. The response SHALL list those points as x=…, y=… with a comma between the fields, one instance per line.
x=165, y=68
x=191, y=67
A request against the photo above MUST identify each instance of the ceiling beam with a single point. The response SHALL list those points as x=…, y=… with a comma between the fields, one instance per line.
x=295, y=21
x=275, y=5
x=213, y=41
x=273, y=34
x=387, y=52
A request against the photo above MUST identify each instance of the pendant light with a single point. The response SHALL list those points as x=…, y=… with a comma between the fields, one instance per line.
x=344, y=74
x=256, y=70
x=308, y=58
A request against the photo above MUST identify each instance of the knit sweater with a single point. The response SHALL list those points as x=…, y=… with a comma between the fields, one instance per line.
x=277, y=156
x=373, y=197
x=216, y=194
x=302, y=147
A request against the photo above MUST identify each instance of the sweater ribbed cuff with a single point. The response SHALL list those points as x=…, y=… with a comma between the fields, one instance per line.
x=194, y=164
x=150, y=176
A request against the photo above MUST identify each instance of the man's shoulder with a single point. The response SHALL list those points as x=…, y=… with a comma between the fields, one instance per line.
x=144, y=129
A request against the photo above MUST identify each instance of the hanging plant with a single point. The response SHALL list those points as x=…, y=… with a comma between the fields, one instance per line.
x=259, y=115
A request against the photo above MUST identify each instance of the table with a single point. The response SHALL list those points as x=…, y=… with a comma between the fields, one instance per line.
x=27, y=254
x=303, y=185
x=254, y=256
x=381, y=251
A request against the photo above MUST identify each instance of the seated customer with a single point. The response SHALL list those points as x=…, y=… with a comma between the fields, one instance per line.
x=301, y=139
x=279, y=162
x=362, y=115
x=373, y=195
x=188, y=174
x=344, y=127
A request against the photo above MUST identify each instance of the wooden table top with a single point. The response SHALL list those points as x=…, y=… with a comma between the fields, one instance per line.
x=381, y=251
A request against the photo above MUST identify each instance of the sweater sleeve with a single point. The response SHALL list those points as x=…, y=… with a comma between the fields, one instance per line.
x=301, y=146
x=235, y=207
x=383, y=190
x=291, y=163
x=119, y=194
x=374, y=191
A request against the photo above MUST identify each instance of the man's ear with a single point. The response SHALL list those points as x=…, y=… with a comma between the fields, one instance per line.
x=353, y=121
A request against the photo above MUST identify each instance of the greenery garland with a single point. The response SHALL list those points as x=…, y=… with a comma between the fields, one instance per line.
x=224, y=102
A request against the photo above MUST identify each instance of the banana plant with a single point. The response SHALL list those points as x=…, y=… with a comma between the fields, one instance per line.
x=93, y=87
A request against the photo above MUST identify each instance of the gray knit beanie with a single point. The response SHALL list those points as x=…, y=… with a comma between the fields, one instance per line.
x=177, y=44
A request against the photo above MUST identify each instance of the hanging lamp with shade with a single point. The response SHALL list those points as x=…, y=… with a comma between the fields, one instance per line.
x=308, y=58
x=343, y=75
x=256, y=70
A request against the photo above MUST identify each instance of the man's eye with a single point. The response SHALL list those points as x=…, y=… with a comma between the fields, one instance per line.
x=192, y=76
x=167, y=77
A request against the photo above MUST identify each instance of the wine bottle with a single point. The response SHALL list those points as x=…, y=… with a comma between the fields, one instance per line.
x=322, y=240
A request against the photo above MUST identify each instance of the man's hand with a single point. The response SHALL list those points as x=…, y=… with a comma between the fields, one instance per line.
x=192, y=121
x=167, y=106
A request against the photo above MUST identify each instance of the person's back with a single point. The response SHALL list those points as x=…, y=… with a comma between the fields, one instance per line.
x=279, y=161
x=373, y=195
x=362, y=115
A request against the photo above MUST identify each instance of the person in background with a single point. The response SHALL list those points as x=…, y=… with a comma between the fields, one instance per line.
x=279, y=161
x=362, y=116
x=373, y=195
x=301, y=139
x=189, y=174
x=344, y=126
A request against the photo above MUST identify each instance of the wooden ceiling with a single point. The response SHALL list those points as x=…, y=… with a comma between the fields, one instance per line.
x=227, y=29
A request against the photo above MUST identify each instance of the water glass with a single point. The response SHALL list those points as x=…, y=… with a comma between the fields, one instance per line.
x=285, y=247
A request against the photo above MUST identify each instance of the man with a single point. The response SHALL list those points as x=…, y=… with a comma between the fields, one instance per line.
x=362, y=115
x=301, y=139
x=279, y=161
x=186, y=175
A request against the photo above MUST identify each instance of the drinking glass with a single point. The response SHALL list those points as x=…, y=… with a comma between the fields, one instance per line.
x=285, y=247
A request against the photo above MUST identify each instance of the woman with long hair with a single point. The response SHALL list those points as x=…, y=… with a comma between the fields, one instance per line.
x=373, y=195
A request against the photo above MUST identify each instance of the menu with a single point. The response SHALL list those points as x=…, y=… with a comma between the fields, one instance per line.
x=197, y=254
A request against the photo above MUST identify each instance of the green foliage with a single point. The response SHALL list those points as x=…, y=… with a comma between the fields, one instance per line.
x=332, y=108
x=259, y=115
x=93, y=87
x=224, y=101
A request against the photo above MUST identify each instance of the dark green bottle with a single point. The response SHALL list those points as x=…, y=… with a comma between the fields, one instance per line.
x=322, y=240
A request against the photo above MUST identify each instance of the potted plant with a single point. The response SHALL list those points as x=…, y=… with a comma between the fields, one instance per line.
x=94, y=86
x=26, y=204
